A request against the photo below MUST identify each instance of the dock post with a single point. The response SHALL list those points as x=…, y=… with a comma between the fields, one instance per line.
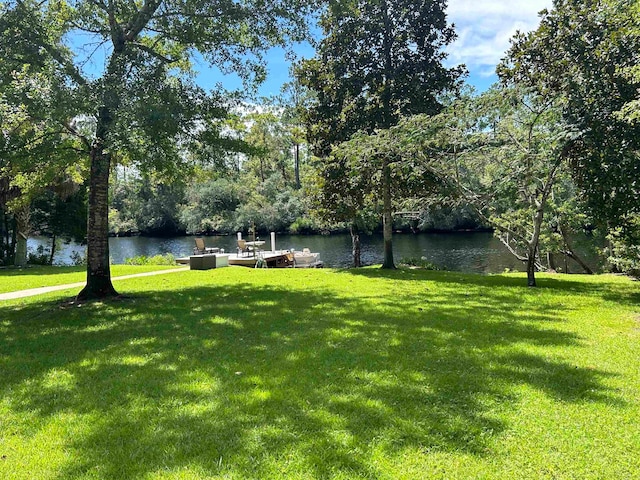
x=273, y=242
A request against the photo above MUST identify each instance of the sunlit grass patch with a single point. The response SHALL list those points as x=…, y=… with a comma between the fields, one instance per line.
x=14, y=279
x=240, y=373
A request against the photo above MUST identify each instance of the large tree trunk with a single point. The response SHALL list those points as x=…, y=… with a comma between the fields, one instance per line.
x=355, y=243
x=98, y=270
x=387, y=218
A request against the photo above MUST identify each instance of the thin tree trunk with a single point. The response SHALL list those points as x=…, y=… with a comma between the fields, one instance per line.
x=532, y=251
x=387, y=218
x=2, y=232
x=572, y=255
x=551, y=262
x=611, y=267
x=387, y=121
x=14, y=241
x=531, y=268
x=355, y=242
x=53, y=249
x=8, y=248
x=296, y=164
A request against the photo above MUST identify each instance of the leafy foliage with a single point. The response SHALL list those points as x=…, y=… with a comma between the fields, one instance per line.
x=501, y=153
x=378, y=60
x=586, y=53
x=624, y=247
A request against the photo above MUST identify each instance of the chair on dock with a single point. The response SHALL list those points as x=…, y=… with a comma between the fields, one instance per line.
x=243, y=247
x=201, y=249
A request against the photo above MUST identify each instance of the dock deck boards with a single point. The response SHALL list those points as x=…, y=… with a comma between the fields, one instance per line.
x=278, y=259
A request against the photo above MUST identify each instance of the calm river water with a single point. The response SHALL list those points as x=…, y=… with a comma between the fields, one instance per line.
x=466, y=252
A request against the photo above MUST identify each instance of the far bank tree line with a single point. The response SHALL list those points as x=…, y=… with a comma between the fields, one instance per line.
x=374, y=125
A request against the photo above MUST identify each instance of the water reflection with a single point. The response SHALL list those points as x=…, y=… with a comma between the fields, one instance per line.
x=466, y=252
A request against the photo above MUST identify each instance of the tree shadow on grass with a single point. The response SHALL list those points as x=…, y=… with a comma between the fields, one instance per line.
x=253, y=382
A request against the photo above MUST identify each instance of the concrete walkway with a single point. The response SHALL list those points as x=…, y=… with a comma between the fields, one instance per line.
x=39, y=291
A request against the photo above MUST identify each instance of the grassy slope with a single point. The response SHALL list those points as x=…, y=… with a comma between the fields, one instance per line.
x=239, y=373
x=14, y=279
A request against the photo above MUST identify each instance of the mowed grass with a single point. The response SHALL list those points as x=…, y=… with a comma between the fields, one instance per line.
x=316, y=374
x=14, y=279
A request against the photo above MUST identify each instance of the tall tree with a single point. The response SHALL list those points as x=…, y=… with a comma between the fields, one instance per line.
x=379, y=60
x=144, y=102
x=266, y=135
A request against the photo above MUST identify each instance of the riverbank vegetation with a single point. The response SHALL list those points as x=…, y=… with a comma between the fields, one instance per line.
x=242, y=373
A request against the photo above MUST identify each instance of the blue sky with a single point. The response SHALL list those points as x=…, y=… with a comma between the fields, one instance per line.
x=484, y=28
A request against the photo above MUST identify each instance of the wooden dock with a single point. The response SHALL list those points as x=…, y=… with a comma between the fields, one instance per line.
x=279, y=259
x=261, y=259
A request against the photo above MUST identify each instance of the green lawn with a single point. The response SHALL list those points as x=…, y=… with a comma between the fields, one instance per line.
x=312, y=374
x=13, y=279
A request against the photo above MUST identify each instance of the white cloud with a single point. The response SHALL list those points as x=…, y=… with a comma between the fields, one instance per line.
x=484, y=28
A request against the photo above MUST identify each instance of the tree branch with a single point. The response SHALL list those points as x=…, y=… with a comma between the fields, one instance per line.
x=73, y=131
x=143, y=16
x=154, y=53
x=513, y=252
x=68, y=66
